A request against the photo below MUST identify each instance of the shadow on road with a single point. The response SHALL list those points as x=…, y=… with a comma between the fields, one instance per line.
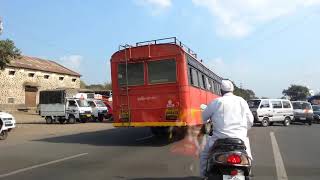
x=113, y=137
x=169, y=178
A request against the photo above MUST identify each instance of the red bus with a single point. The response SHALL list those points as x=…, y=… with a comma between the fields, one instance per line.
x=160, y=84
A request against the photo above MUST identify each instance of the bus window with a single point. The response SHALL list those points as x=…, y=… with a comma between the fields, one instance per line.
x=190, y=76
x=135, y=74
x=163, y=71
x=201, y=81
x=208, y=83
x=212, y=85
x=194, y=76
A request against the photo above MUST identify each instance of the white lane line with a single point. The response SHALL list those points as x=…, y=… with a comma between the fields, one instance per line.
x=41, y=165
x=281, y=171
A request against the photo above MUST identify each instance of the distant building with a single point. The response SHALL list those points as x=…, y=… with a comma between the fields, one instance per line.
x=22, y=79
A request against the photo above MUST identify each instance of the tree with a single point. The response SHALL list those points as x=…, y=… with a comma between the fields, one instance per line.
x=297, y=92
x=244, y=93
x=83, y=85
x=108, y=85
x=8, y=51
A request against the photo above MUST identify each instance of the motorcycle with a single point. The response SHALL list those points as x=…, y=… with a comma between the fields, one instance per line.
x=228, y=159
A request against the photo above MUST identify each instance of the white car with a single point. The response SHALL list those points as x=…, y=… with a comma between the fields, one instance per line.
x=7, y=123
x=268, y=111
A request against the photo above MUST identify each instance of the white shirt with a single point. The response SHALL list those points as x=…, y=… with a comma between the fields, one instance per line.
x=230, y=115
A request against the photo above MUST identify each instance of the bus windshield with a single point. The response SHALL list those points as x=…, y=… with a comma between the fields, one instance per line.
x=135, y=74
x=162, y=71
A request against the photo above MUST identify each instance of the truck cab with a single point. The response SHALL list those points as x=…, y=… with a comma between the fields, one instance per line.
x=79, y=109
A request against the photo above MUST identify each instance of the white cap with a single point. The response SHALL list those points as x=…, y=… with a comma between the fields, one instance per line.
x=227, y=86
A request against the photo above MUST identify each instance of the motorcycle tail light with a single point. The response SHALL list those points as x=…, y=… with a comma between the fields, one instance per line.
x=234, y=159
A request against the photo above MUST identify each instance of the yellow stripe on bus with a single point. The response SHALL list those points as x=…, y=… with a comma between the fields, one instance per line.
x=144, y=124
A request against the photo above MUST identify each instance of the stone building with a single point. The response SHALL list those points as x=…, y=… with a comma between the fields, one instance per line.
x=22, y=79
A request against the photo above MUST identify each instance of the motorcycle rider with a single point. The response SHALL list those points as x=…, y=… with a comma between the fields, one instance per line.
x=231, y=118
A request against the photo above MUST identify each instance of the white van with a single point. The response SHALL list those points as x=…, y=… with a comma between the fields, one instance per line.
x=7, y=123
x=267, y=111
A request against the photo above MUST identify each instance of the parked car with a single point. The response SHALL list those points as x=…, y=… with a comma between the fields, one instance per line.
x=316, y=113
x=7, y=123
x=99, y=109
x=302, y=111
x=268, y=111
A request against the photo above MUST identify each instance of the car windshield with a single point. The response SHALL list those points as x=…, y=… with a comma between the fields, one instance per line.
x=83, y=103
x=100, y=104
x=254, y=103
x=297, y=105
x=316, y=108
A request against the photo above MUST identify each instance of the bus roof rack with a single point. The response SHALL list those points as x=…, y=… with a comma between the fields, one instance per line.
x=170, y=40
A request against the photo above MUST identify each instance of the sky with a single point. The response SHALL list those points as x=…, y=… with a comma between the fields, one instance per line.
x=263, y=45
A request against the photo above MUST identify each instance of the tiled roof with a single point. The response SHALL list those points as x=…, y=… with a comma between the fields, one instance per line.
x=34, y=63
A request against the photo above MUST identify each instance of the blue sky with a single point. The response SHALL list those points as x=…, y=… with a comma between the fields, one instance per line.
x=265, y=45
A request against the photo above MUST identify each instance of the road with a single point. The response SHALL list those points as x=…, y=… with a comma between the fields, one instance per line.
x=132, y=154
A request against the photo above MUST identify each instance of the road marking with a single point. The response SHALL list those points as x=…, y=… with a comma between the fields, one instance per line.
x=281, y=171
x=41, y=165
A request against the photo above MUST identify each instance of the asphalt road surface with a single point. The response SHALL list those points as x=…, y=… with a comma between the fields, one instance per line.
x=133, y=154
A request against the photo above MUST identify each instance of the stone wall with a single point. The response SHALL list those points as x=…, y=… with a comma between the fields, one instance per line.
x=13, y=86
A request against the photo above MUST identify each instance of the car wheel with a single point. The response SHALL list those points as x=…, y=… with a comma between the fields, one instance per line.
x=49, y=120
x=265, y=122
x=286, y=121
x=3, y=135
x=71, y=120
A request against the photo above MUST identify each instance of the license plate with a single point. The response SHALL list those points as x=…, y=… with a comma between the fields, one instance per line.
x=238, y=177
x=88, y=115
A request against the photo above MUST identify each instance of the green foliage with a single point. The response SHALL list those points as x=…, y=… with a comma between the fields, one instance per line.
x=244, y=93
x=8, y=51
x=83, y=85
x=297, y=92
x=96, y=87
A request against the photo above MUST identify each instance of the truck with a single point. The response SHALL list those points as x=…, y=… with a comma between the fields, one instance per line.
x=7, y=123
x=61, y=106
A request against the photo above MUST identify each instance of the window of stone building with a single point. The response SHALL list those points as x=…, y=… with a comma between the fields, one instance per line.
x=46, y=76
x=11, y=100
x=61, y=78
x=74, y=80
x=31, y=74
x=12, y=72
